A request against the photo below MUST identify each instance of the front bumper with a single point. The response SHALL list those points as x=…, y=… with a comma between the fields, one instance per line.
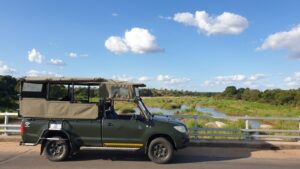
x=182, y=141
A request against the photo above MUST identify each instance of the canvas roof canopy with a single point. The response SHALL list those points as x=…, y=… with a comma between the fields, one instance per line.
x=44, y=108
x=112, y=89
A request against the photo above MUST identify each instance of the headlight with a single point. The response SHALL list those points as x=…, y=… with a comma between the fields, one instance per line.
x=181, y=129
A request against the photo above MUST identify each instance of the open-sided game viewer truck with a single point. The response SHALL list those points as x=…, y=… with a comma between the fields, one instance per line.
x=64, y=114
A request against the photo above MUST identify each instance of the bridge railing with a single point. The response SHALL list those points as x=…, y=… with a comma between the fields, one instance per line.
x=246, y=133
x=197, y=132
x=7, y=128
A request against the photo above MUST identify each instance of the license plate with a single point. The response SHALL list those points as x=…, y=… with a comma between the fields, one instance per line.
x=55, y=126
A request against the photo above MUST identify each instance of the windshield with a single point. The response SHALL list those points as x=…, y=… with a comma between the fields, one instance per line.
x=143, y=108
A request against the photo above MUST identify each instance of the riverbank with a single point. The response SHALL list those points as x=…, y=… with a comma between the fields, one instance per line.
x=229, y=107
x=225, y=107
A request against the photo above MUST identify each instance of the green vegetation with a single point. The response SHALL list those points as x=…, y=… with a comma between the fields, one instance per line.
x=250, y=108
x=275, y=97
x=124, y=107
x=162, y=102
x=8, y=93
x=151, y=92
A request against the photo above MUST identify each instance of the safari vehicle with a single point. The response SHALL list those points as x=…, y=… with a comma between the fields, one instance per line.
x=64, y=115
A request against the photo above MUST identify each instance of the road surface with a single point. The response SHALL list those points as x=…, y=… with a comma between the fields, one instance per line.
x=13, y=156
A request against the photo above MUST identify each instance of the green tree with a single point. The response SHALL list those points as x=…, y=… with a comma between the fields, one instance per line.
x=8, y=93
x=230, y=92
x=251, y=95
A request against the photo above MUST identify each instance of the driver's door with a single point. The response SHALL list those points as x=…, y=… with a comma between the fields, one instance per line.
x=123, y=131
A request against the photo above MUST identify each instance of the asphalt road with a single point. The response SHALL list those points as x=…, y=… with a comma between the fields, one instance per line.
x=13, y=156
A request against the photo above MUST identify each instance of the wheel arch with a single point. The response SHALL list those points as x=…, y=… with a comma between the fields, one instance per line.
x=52, y=133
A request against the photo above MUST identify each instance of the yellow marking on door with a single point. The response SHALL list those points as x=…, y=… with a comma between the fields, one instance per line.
x=124, y=144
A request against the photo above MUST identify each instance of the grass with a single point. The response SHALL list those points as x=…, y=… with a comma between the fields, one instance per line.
x=124, y=107
x=162, y=102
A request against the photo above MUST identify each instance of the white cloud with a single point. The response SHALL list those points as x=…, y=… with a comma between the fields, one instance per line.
x=116, y=45
x=123, y=78
x=293, y=81
x=172, y=80
x=6, y=70
x=231, y=78
x=114, y=14
x=137, y=40
x=57, y=62
x=185, y=18
x=163, y=78
x=166, y=79
x=131, y=79
x=226, y=23
x=257, y=76
x=165, y=17
x=239, y=79
x=35, y=56
x=36, y=73
x=144, y=79
x=289, y=40
x=73, y=54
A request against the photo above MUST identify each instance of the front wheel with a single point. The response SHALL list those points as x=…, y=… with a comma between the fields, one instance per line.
x=57, y=150
x=160, y=150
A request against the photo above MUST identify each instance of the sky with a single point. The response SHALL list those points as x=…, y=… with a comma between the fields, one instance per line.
x=187, y=45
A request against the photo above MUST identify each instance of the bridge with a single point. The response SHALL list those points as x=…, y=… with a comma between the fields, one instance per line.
x=196, y=133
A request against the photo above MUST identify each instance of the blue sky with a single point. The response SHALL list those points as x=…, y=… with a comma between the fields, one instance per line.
x=192, y=45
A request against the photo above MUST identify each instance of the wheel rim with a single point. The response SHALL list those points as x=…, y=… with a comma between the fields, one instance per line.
x=56, y=149
x=159, y=151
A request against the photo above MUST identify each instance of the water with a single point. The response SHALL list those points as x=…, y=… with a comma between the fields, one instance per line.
x=254, y=124
x=212, y=112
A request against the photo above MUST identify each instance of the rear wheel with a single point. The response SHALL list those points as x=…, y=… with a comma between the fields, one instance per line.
x=57, y=150
x=160, y=150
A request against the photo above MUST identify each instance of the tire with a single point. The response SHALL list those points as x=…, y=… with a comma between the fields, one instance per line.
x=57, y=150
x=160, y=150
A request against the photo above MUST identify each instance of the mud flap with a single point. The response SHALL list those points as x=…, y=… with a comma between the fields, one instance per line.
x=42, y=147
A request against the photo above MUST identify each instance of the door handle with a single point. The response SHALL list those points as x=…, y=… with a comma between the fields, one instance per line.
x=110, y=124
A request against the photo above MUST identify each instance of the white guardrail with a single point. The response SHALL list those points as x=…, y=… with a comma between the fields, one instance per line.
x=7, y=128
x=245, y=133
